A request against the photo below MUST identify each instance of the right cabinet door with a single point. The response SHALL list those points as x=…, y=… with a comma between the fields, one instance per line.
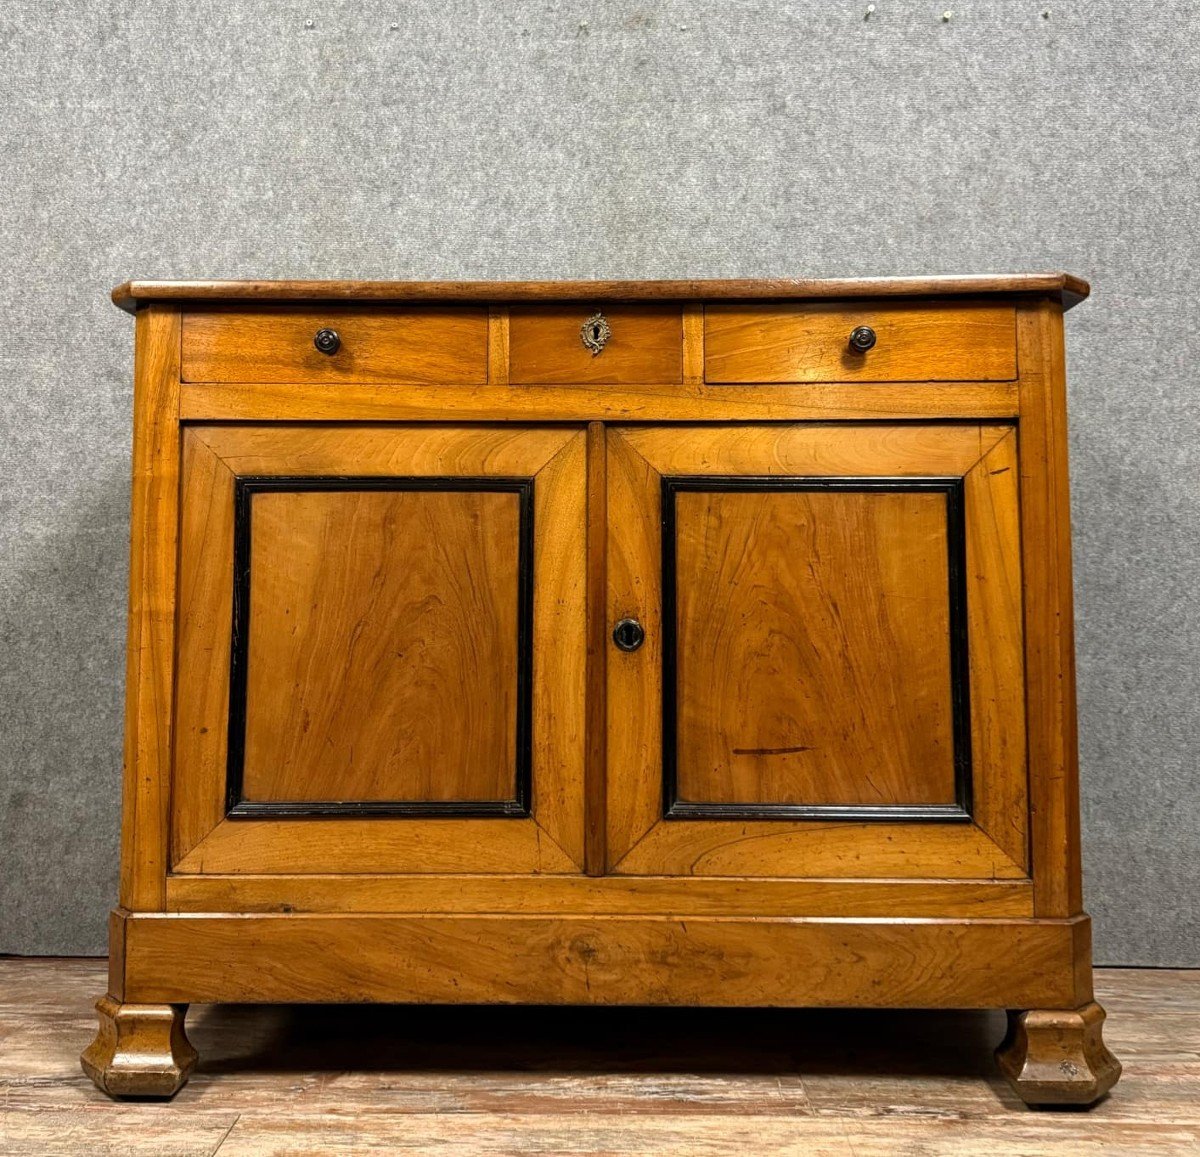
x=829, y=681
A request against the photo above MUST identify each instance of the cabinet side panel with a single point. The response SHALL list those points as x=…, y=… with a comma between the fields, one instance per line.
x=150, y=660
x=1049, y=629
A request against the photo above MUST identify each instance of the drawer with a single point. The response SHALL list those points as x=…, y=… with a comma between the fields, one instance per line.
x=644, y=343
x=394, y=344
x=811, y=343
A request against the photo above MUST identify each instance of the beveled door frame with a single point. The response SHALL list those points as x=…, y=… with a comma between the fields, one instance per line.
x=204, y=837
x=952, y=489
x=643, y=836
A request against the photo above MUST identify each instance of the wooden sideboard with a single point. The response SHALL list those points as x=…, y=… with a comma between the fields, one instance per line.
x=695, y=643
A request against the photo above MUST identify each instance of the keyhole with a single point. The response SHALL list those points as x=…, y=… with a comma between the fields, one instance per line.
x=594, y=332
x=628, y=635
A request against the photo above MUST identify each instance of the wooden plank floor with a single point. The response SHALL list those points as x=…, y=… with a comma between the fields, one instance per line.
x=514, y=1081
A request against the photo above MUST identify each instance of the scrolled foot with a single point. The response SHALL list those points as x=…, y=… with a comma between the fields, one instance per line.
x=140, y=1050
x=1058, y=1056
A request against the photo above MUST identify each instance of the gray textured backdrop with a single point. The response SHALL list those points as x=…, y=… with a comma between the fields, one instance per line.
x=422, y=139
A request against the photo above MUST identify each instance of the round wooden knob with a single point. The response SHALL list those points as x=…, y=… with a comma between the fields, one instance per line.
x=862, y=338
x=327, y=341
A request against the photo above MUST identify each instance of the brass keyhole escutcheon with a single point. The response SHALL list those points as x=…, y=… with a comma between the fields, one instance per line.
x=595, y=332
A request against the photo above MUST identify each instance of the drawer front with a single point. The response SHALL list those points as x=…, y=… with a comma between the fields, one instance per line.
x=639, y=343
x=415, y=345
x=811, y=343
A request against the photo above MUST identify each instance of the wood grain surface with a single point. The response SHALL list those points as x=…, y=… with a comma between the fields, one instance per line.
x=203, y=643
x=203, y=840
x=812, y=648
x=140, y=1050
x=644, y=960
x=272, y=344
x=640, y=840
x=644, y=402
x=1058, y=1056
x=996, y=651
x=289, y=847
x=150, y=657
x=595, y=771
x=782, y=450
x=560, y=640
x=815, y=849
x=545, y=347
x=1066, y=286
x=591, y=1082
x=633, y=574
x=612, y=895
x=1049, y=616
x=916, y=342
x=382, y=651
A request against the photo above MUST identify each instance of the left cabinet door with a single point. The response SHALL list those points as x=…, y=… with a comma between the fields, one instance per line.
x=381, y=650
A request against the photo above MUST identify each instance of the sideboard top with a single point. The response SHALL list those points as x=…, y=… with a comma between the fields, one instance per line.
x=1069, y=289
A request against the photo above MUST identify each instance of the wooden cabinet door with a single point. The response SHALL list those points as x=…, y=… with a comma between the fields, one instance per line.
x=831, y=679
x=381, y=650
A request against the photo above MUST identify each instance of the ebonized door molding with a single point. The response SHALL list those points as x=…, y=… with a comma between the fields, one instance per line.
x=953, y=489
x=518, y=807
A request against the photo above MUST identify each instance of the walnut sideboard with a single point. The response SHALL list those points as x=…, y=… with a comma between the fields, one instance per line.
x=690, y=643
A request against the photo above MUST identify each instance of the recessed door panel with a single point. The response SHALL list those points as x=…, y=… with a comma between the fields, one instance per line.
x=385, y=653
x=832, y=624
x=811, y=633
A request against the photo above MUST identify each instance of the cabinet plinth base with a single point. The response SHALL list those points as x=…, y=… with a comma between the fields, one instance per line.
x=1058, y=1056
x=409, y=958
x=140, y=1050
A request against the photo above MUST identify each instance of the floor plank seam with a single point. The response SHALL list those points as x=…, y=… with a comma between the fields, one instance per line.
x=225, y=1138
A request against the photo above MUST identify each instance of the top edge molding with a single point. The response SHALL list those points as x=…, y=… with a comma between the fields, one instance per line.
x=1070, y=290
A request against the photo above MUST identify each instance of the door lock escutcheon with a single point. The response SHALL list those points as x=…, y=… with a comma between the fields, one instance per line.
x=628, y=635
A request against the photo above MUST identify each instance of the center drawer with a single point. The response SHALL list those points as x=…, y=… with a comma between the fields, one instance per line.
x=334, y=344
x=636, y=344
